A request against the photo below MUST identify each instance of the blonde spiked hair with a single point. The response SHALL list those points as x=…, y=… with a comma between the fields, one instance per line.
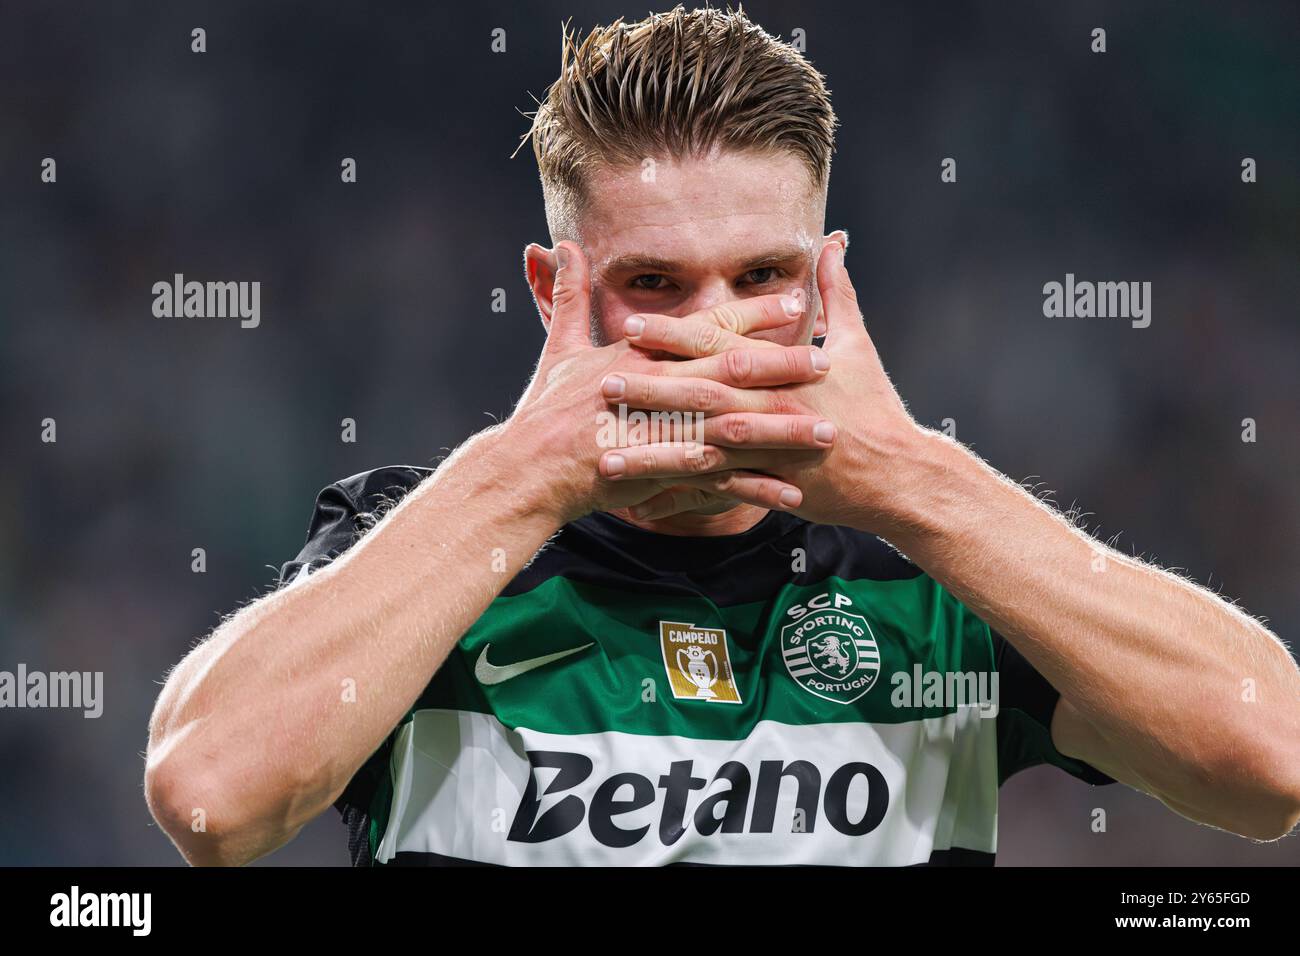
x=675, y=84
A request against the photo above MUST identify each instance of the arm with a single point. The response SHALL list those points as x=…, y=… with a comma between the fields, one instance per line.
x=385, y=614
x=1164, y=686
x=252, y=728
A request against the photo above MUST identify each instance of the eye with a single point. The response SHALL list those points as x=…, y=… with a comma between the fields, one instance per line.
x=761, y=276
x=650, y=282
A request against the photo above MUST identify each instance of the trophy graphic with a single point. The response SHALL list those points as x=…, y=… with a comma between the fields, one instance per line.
x=700, y=668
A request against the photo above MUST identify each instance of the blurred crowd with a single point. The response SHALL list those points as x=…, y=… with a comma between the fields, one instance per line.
x=176, y=434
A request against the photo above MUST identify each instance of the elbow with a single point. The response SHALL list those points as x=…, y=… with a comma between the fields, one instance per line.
x=172, y=791
x=1269, y=824
x=1264, y=824
x=1279, y=809
x=193, y=805
x=1241, y=785
x=1289, y=823
x=1268, y=805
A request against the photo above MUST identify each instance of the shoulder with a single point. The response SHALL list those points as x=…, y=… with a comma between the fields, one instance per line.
x=371, y=490
x=345, y=508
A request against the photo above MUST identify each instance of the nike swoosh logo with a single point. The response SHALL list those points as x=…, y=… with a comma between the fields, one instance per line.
x=489, y=674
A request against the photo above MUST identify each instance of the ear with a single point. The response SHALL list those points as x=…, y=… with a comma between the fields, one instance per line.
x=840, y=237
x=539, y=272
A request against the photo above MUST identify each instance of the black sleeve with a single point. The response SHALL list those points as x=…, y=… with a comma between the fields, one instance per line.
x=1026, y=702
x=344, y=510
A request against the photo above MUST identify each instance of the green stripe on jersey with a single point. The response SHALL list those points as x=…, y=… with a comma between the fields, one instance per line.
x=621, y=682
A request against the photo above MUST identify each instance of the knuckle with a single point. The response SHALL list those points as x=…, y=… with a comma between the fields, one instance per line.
x=705, y=396
x=849, y=293
x=794, y=362
x=641, y=390
x=726, y=482
x=739, y=365
x=564, y=293
x=726, y=317
x=739, y=429
x=706, y=460
x=781, y=404
x=707, y=338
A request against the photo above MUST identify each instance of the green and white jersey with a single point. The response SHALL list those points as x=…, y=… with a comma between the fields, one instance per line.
x=797, y=694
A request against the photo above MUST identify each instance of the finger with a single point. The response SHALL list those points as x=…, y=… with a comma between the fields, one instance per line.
x=671, y=502
x=756, y=368
x=661, y=393
x=687, y=337
x=839, y=298
x=747, y=486
x=570, y=328
x=684, y=459
x=733, y=430
x=710, y=331
x=755, y=314
x=748, y=430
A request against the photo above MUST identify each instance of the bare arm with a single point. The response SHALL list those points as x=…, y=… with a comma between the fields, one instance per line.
x=1164, y=686
x=252, y=727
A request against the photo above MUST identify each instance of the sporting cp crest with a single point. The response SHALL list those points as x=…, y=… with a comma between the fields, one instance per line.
x=698, y=662
x=832, y=654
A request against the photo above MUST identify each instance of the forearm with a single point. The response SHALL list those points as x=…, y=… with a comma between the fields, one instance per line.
x=262, y=726
x=1196, y=698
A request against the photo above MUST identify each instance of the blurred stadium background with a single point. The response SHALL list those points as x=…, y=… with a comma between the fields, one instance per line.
x=376, y=305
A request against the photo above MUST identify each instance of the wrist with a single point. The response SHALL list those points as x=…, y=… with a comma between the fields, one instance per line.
x=928, y=488
x=524, y=452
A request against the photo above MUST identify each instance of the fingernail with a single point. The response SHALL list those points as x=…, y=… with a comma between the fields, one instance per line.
x=824, y=432
x=820, y=360
x=633, y=325
x=789, y=498
x=613, y=386
x=615, y=465
x=792, y=304
x=562, y=256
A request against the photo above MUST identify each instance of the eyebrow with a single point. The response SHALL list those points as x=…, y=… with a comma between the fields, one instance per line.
x=636, y=262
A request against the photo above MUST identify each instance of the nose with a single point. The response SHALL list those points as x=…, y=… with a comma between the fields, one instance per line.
x=708, y=294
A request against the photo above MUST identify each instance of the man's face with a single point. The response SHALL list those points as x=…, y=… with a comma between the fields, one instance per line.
x=700, y=232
